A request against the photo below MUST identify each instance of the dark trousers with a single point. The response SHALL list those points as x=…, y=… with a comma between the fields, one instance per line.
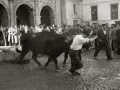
x=96, y=43
x=118, y=45
x=114, y=45
x=76, y=62
x=103, y=45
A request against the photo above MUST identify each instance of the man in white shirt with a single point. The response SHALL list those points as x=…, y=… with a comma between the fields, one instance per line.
x=76, y=50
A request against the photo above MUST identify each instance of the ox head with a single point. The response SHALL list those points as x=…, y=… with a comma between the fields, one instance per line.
x=71, y=34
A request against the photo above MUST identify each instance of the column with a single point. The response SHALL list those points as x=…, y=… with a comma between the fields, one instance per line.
x=63, y=12
x=31, y=20
x=53, y=20
x=9, y=22
x=81, y=10
x=11, y=7
x=58, y=12
x=38, y=20
x=37, y=17
x=15, y=23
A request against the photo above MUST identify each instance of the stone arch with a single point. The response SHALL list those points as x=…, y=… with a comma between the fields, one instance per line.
x=5, y=8
x=4, y=15
x=49, y=6
x=30, y=5
x=24, y=13
x=50, y=18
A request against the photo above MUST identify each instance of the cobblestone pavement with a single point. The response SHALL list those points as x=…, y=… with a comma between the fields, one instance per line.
x=96, y=75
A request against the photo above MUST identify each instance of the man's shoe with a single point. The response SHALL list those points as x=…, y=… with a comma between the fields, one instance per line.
x=76, y=73
x=71, y=71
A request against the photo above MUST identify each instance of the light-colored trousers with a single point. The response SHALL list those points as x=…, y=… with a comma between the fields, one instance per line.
x=14, y=38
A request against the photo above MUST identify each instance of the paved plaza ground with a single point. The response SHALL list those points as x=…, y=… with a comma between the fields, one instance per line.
x=96, y=75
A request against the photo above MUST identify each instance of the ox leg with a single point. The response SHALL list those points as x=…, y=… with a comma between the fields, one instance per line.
x=22, y=55
x=65, y=58
x=34, y=57
x=56, y=64
x=49, y=60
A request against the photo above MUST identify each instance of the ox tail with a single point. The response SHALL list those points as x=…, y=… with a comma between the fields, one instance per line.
x=17, y=50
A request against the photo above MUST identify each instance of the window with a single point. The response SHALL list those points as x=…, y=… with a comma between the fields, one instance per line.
x=74, y=8
x=75, y=22
x=114, y=11
x=94, y=13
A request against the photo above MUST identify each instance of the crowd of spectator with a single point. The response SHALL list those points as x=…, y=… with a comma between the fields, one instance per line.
x=11, y=35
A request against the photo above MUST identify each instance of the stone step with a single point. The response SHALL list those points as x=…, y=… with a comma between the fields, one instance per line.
x=8, y=53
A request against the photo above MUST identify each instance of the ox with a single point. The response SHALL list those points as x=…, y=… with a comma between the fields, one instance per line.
x=48, y=43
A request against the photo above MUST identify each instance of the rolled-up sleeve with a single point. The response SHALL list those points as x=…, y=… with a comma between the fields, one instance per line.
x=84, y=40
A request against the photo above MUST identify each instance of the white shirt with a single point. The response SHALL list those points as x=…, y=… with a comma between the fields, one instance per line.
x=26, y=29
x=104, y=32
x=78, y=42
x=38, y=29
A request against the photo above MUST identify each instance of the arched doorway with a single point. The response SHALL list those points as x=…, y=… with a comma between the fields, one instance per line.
x=24, y=15
x=47, y=16
x=3, y=16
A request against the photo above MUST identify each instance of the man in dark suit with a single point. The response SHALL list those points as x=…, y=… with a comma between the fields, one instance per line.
x=103, y=37
x=113, y=35
x=118, y=39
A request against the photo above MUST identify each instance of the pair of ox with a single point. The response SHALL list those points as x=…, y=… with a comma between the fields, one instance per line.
x=48, y=43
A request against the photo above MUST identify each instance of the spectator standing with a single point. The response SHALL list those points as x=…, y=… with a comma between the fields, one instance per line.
x=15, y=35
x=118, y=39
x=10, y=35
x=26, y=28
x=113, y=36
x=44, y=29
x=4, y=31
x=103, y=36
x=55, y=28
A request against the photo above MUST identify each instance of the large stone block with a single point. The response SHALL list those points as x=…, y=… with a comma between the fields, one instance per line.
x=8, y=53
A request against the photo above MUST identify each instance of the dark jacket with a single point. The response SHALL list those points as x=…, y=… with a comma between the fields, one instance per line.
x=118, y=33
x=102, y=36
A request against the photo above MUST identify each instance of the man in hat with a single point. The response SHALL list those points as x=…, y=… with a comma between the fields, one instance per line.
x=44, y=29
x=76, y=50
x=55, y=28
x=113, y=34
x=118, y=39
x=104, y=38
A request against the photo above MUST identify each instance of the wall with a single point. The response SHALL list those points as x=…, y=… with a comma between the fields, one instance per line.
x=103, y=8
x=70, y=16
x=12, y=5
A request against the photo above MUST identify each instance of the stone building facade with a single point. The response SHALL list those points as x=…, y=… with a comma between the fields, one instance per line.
x=74, y=12
x=35, y=12
x=101, y=11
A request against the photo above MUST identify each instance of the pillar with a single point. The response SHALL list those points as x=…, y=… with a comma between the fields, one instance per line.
x=11, y=7
x=38, y=20
x=58, y=12
x=9, y=22
x=53, y=20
